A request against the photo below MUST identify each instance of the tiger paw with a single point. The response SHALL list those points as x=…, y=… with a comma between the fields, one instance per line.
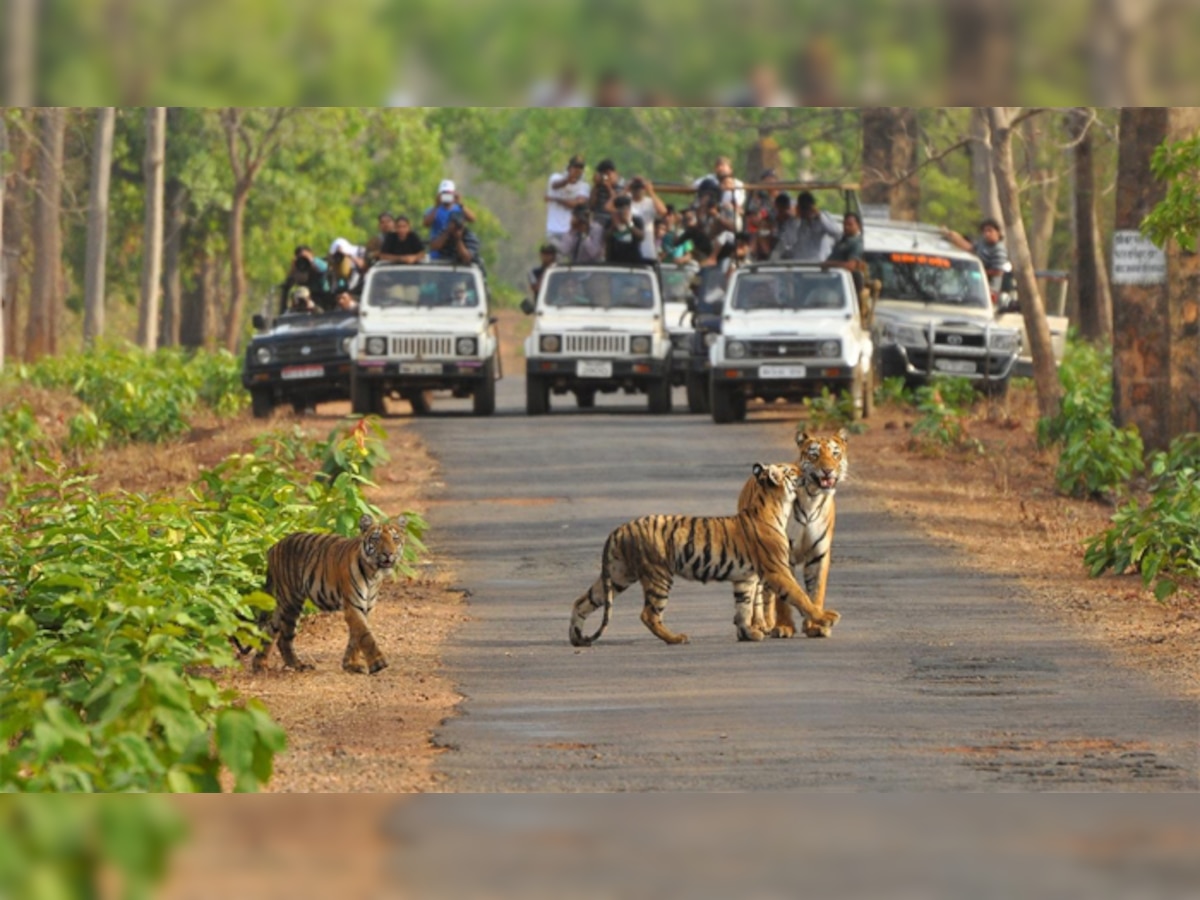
x=751, y=634
x=355, y=668
x=783, y=631
x=298, y=666
x=379, y=665
x=822, y=628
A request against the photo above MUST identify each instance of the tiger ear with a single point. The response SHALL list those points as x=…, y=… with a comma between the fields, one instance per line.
x=757, y=469
x=843, y=435
x=364, y=523
x=802, y=438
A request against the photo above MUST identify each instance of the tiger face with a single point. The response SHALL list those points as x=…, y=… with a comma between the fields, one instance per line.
x=823, y=459
x=778, y=477
x=382, y=541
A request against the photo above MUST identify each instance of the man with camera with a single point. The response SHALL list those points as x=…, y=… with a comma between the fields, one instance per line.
x=457, y=242
x=584, y=243
x=625, y=233
x=449, y=201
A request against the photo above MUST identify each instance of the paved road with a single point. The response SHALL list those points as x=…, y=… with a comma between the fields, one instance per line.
x=935, y=678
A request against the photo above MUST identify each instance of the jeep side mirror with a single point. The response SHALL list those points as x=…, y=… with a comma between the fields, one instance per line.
x=258, y=321
x=527, y=306
x=492, y=320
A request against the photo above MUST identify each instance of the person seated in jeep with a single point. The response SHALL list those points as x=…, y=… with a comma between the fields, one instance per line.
x=457, y=242
x=570, y=293
x=461, y=295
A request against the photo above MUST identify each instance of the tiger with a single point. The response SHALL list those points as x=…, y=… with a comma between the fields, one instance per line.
x=335, y=573
x=745, y=548
x=824, y=461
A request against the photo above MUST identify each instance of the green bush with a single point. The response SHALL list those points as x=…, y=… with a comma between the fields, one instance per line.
x=895, y=390
x=59, y=847
x=1096, y=457
x=21, y=437
x=829, y=412
x=943, y=405
x=136, y=396
x=1160, y=539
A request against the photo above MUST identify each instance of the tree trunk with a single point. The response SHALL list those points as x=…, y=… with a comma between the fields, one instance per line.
x=193, y=320
x=16, y=228
x=152, y=242
x=3, y=248
x=889, y=140
x=41, y=335
x=20, y=44
x=172, y=262
x=1044, y=183
x=983, y=175
x=1156, y=314
x=237, y=269
x=97, y=226
x=1090, y=276
x=1045, y=373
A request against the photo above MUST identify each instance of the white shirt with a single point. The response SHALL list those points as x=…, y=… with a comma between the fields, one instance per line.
x=558, y=217
x=647, y=210
x=737, y=195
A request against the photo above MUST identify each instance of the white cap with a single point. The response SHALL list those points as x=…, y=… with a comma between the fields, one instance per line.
x=347, y=248
x=446, y=187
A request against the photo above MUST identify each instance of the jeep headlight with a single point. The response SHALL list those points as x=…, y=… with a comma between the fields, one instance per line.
x=376, y=346
x=1005, y=341
x=465, y=346
x=710, y=338
x=735, y=350
x=263, y=355
x=549, y=343
x=639, y=343
x=908, y=335
x=347, y=344
x=830, y=349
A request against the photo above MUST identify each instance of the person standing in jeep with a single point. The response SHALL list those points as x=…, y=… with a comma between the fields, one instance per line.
x=625, y=233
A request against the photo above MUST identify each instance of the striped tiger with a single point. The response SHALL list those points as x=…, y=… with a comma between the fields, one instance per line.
x=336, y=573
x=745, y=548
x=824, y=461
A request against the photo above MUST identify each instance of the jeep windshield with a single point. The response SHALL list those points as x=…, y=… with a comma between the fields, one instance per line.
x=414, y=286
x=930, y=278
x=795, y=291
x=574, y=289
x=303, y=321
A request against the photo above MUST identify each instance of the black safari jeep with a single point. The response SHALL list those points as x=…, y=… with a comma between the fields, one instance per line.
x=299, y=358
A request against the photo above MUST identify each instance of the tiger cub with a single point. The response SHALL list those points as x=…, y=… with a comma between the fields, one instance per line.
x=824, y=462
x=748, y=548
x=336, y=573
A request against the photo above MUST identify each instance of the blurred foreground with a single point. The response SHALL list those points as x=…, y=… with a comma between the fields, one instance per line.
x=690, y=846
x=577, y=53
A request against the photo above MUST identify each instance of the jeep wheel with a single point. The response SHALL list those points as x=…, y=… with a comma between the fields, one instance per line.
x=721, y=402
x=586, y=398
x=697, y=393
x=537, y=395
x=261, y=403
x=484, y=399
x=659, y=396
x=420, y=402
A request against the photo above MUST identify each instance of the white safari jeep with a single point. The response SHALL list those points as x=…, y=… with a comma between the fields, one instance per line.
x=598, y=328
x=787, y=331
x=423, y=328
x=934, y=314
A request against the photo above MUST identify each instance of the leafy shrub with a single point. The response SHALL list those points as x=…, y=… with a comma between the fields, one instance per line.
x=21, y=437
x=53, y=847
x=830, y=411
x=136, y=396
x=895, y=390
x=942, y=423
x=1096, y=456
x=1161, y=539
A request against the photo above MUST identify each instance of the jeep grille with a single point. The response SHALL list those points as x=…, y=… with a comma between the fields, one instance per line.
x=319, y=348
x=781, y=349
x=422, y=346
x=599, y=344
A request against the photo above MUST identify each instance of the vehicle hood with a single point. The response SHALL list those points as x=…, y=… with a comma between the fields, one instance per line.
x=922, y=314
x=599, y=320
x=311, y=329
x=774, y=323
x=423, y=320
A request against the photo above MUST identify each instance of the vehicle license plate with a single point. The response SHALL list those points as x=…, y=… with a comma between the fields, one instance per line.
x=781, y=371
x=958, y=366
x=294, y=372
x=593, y=368
x=415, y=368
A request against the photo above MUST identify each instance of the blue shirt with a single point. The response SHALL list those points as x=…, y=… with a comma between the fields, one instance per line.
x=440, y=220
